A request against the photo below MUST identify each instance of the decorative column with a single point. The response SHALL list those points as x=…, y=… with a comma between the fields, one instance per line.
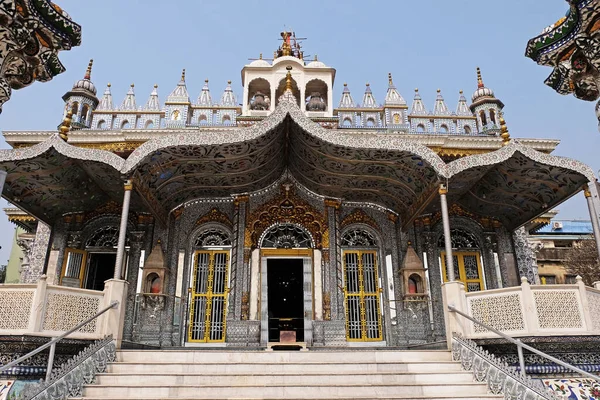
x=239, y=285
x=593, y=216
x=137, y=243
x=447, y=242
x=123, y=230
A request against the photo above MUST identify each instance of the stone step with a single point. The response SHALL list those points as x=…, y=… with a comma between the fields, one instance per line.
x=230, y=357
x=273, y=367
x=285, y=391
x=277, y=379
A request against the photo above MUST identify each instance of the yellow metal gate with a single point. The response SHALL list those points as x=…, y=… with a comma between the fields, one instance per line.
x=363, y=316
x=208, y=303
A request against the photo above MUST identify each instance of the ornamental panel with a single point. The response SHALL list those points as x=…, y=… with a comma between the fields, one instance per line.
x=503, y=312
x=15, y=308
x=558, y=309
x=64, y=311
x=594, y=306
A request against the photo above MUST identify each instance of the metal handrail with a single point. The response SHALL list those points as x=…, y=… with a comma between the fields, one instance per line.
x=52, y=343
x=521, y=346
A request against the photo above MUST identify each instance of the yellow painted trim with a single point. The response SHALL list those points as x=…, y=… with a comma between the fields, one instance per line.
x=286, y=252
x=461, y=268
x=82, y=267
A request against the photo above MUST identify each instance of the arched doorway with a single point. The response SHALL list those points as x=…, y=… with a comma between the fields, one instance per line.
x=286, y=295
x=466, y=256
x=361, y=286
x=209, y=285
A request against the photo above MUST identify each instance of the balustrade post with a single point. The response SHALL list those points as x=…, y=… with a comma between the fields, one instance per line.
x=447, y=240
x=593, y=216
x=596, y=285
x=453, y=294
x=113, y=321
x=529, y=314
x=589, y=326
x=36, y=318
x=123, y=230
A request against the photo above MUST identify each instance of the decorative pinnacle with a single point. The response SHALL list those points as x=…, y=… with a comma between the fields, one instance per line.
x=229, y=82
x=460, y=92
x=288, y=79
x=88, y=72
x=390, y=79
x=108, y=84
x=260, y=56
x=132, y=85
x=183, y=75
x=65, y=127
x=439, y=90
x=155, y=86
x=417, y=90
x=504, y=131
x=479, y=80
x=316, y=58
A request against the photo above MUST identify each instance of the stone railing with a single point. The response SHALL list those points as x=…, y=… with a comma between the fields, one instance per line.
x=526, y=310
x=49, y=310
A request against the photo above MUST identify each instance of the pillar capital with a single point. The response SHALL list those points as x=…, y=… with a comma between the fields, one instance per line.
x=128, y=185
x=443, y=190
x=586, y=191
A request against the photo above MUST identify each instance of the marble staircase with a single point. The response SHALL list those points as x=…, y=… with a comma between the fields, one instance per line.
x=222, y=374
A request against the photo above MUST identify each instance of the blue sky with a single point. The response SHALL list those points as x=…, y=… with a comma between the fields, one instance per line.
x=426, y=44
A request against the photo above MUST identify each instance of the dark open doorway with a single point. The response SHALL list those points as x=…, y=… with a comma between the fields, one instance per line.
x=101, y=268
x=285, y=297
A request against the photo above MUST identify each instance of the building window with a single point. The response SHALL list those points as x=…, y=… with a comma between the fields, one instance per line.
x=101, y=124
x=548, y=279
x=149, y=125
x=483, y=118
x=347, y=122
x=125, y=125
x=571, y=279
x=492, y=116
x=467, y=129
x=286, y=236
x=420, y=128
x=443, y=129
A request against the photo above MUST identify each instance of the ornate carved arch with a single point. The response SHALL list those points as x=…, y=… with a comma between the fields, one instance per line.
x=358, y=216
x=215, y=215
x=287, y=207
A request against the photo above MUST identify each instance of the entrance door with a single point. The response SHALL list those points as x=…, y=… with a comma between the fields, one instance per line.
x=467, y=269
x=101, y=267
x=285, y=292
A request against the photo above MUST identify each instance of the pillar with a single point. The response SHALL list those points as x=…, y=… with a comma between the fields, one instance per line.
x=2, y=180
x=447, y=242
x=593, y=217
x=132, y=277
x=123, y=230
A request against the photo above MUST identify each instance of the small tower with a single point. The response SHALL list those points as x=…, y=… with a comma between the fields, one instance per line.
x=346, y=110
x=419, y=118
x=394, y=107
x=178, y=106
x=81, y=100
x=126, y=113
x=103, y=114
x=370, y=119
x=203, y=109
x=442, y=116
x=228, y=108
x=464, y=116
x=486, y=108
x=149, y=117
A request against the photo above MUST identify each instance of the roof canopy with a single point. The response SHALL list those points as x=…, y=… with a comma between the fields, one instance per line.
x=513, y=184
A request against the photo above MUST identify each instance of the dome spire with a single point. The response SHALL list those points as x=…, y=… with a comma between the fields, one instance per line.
x=65, y=127
x=88, y=72
x=479, y=80
x=183, y=75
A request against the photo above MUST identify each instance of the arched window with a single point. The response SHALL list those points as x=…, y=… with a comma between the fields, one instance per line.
x=420, y=128
x=84, y=112
x=492, y=116
x=203, y=120
x=466, y=258
x=107, y=236
x=461, y=240
x=467, y=129
x=213, y=237
x=286, y=236
x=370, y=122
x=444, y=128
x=125, y=124
x=226, y=119
x=414, y=284
x=483, y=118
x=347, y=122
x=75, y=108
x=101, y=124
x=358, y=238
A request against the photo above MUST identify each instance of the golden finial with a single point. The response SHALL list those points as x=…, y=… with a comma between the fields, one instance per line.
x=316, y=58
x=155, y=86
x=368, y=84
x=65, y=127
x=479, y=80
x=345, y=84
x=132, y=85
x=439, y=91
x=88, y=72
x=460, y=92
x=260, y=56
x=206, y=81
x=390, y=78
x=417, y=90
x=183, y=75
x=229, y=82
x=288, y=78
x=109, y=85
x=504, y=131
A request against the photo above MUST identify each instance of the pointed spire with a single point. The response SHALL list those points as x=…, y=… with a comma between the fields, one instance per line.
x=346, y=101
x=228, y=98
x=180, y=93
x=106, y=104
x=288, y=80
x=463, y=107
x=479, y=80
x=393, y=97
x=153, y=104
x=368, y=99
x=129, y=101
x=418, y=108
x=204, y=99
x=88, y=72
x=65, y=127
x=504, y=131
x=440, y=107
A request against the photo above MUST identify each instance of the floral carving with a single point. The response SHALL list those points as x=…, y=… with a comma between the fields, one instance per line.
x=358, y=216
x=215, y=215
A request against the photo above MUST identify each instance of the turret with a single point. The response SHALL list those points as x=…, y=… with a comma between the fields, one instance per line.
x=486, y=108
x=394, y=107
x=419, y=118
x=178, y=105
x=369, y=119
x=127, y=112
x=81, y=100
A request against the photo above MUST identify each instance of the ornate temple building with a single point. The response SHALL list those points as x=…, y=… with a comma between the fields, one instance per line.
x=282, y=218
